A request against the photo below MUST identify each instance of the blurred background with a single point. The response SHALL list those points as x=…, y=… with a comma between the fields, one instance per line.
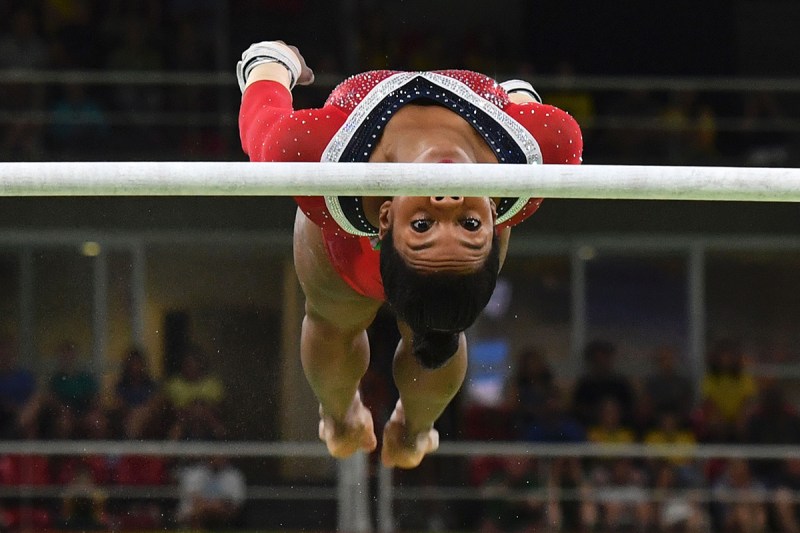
x=140, y=319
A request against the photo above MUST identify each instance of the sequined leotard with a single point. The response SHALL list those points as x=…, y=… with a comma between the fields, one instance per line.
x=349, y=125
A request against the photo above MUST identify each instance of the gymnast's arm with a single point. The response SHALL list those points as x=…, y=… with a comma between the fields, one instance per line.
x=558, y=134
x=269, y=127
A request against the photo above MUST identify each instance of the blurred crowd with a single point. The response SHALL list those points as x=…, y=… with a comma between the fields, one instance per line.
x=662, y=409
x=130, y=120
x=71, y=405
x=672, y=492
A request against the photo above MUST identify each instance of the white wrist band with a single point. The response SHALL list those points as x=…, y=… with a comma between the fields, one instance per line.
x=514, y=86
x=268, y=52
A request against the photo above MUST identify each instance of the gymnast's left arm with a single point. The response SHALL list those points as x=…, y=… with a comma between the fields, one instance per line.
x=557, y=132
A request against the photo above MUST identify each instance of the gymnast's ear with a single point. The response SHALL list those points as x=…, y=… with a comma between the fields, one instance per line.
x=384, y=218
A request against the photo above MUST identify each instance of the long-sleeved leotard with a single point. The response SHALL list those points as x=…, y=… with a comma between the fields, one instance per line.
x=349, y=125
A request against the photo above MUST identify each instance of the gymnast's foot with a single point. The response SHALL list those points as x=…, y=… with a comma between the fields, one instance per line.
x=355, y=432
x=402, y=450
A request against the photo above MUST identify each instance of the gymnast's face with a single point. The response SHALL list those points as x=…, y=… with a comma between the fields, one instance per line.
x=440, y=233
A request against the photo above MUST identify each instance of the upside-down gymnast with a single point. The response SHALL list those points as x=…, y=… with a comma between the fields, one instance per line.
x=434, y=259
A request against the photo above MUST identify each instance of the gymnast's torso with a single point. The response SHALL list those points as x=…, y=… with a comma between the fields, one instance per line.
x=350, y=128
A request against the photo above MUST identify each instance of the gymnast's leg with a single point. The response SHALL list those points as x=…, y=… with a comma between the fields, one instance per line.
x=333, y=346
x=424, y=394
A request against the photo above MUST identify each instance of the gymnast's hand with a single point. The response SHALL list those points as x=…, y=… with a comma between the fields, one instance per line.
x=268, y=59
x=306, y=74
x=520, y=91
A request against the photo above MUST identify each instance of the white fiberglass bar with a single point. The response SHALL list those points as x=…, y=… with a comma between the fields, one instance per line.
x=389, y=179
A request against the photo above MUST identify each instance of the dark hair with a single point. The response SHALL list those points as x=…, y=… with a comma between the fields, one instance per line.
x=436, y=306
x=126, y=375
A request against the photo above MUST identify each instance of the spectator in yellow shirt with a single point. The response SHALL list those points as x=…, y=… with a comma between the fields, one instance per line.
x=609, y=429
x=727, y=386
x=194, y=383
x=669, y=433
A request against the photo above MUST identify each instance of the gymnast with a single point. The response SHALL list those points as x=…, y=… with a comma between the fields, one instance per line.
x=434, y=260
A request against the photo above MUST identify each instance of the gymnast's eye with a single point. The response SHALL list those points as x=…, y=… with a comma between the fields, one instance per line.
x=471, y=224
x=421, y=225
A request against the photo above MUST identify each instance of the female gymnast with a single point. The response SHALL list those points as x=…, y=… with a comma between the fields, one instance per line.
x=434, y=259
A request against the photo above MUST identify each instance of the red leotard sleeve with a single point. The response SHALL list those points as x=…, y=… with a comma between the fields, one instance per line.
x=272, y=130
x=559, y=137
x=557, y=133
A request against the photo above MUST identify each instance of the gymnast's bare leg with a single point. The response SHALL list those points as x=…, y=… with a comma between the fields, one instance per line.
x=335, y=354
x=333, y=344
x=424, y=394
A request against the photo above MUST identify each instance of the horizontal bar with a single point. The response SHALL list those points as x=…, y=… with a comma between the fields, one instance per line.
x=308, y=449
x=628, y=182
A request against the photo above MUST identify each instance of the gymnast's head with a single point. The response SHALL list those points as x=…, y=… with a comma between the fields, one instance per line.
x=439, y=259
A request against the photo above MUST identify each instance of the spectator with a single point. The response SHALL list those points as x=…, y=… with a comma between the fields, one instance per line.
x=197, y=421
x=677, y=512
x=670, y=433
x=70, y=28
x=635, y=136
x=610, y=428
x=787, y=510
x=136, y=52
x=94, y=425
x=193, y=382
x=78, y=123
x=212, y=493
x=196, y=397
x=740, y=500
x=569, y=514
x=22, y=48
x=529, y=389
x=554, y=423
x=764, y=143
x=26, y=469
x=668, y=390
x=136, y=394
x=599, y=382
x=515, y=507
x=622, y=500
x=690, y=128
x=135, y=387
x=728, y=387
x=70, y=385
x=17, y=389
x=83, y=504
x=773, y=421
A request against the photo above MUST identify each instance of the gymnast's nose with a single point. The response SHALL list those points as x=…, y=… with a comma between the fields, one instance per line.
x=445, y=202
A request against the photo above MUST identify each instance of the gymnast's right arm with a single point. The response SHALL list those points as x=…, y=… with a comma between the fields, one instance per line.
x=269, y=127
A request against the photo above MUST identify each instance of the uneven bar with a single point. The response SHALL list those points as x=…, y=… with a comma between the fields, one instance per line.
x=176, y=178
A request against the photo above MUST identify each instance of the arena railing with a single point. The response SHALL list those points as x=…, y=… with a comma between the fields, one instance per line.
x=330, y=80
x=352, y=480
x=225, y=114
